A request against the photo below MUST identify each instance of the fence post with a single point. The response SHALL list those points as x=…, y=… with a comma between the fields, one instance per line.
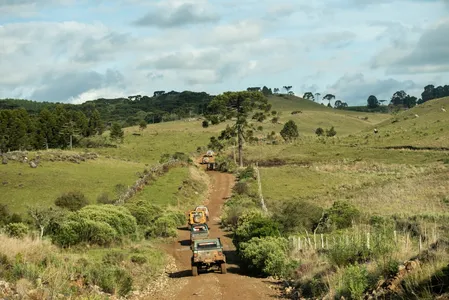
x=259, y=182
x=395, y=237
x=420, y=244
x=367, y=240
x=322, y=242
x=314, y=240
x=406, y=240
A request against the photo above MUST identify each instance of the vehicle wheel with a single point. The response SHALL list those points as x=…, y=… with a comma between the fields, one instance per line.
x=223, y=268
x=194, y=271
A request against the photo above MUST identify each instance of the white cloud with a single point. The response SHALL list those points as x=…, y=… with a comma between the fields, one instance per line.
x=219, y=45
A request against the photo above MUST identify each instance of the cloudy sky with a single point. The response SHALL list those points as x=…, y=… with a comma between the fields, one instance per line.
x=78, y=50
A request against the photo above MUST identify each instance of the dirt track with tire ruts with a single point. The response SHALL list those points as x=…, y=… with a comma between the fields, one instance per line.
x=212, y=285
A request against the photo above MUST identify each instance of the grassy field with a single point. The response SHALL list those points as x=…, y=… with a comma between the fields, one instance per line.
x=181, y=187
x=22, y=185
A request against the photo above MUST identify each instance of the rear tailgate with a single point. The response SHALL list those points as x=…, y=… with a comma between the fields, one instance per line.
x=208, y=256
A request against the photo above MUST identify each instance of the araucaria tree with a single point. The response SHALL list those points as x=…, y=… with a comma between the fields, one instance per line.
x=241, y=107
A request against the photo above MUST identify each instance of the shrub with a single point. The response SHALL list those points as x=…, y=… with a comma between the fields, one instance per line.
x=164, y=226
x=97, y=224
x=104, y=198
x=111, y=279
x=178, y=217
x=73, y=232
x=225, y=164
x=289, y=131
x=72, y=201
x=354, y=281
x=339, y=216
x=297, y=215
x=118, y=217
x=247, y=173
x=205, y=124
x=235, y=208
x=267, y=255
x=113, y=257
x=241, y=188
x=331, y=132
x=255, y=225
x=16, y=230
x=319, y=131
x=139, y=259
x=144, y=212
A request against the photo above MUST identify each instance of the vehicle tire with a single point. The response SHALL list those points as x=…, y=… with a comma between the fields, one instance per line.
x=223, y=268
x=194, y=271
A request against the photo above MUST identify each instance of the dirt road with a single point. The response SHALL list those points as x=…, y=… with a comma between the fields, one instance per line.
x=213, y=285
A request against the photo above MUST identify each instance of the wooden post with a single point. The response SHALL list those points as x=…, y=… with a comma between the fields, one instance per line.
x=367, y=240
x=322, y=242
x=314, y=240
x=395, y=237
x=327, y=243
x=420, y=244
x=406, y=241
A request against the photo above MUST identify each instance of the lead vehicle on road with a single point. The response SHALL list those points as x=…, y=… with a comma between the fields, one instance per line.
x=208, y=254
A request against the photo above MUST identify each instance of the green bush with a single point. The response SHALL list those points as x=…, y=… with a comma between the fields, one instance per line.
x=104, y=198
x=267, y=255
x=289, y=131
x=96, y=224
x=72, y=232
x=241, y=188
x=16, y=230
x=144, y=212
x=247, y=173
x=297, y=216
x=178, y=217
x=339, y=216
x=139, y=259
x=254, y=225
x=72, y=201
x=118, y=217
x=236, y=207
x=113, y=257
x=225, y=164
x=111, y=279
x=354, y=282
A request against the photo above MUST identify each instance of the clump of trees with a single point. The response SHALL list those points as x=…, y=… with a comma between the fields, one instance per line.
x=58, y=128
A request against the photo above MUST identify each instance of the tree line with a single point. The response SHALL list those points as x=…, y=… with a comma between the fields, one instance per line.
x=50, y=128
x=404, y=100
x=129, y=111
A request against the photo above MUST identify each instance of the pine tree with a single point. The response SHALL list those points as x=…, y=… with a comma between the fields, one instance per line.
x=117, y=132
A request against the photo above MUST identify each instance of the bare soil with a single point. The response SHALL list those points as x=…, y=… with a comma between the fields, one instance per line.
x=212, y=284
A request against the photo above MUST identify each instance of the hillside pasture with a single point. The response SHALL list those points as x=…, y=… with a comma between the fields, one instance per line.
x=22, y=185
x=375, y=188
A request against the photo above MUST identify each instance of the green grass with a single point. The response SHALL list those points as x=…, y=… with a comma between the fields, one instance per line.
x=179, y=184
x=42, y=185
x=161, y=138
x=315, y=115
x=429, y=129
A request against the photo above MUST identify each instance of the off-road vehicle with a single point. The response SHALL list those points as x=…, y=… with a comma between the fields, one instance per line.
x=208, y=254
x=198, y=232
